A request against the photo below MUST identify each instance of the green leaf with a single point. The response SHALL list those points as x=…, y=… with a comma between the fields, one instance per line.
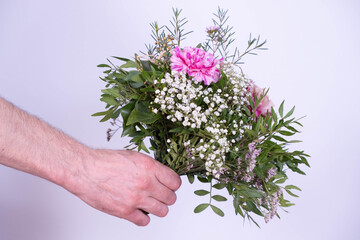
x=219, y=198
x=219, y=186
x=116, y=114
x=103, y=65
x=279, y=138
x=291, y=128
x=247, y=111
x=133, y=96
x=143, y=147
x=217, y=210
x=280, y=181
x=136, y=84
x=252, y=207
x=203, y=179
x=191, y=178
x=109, y=100
x=126, y=110
x=248, y=192
x=201, y=192
x=290, y=193
x=137, y=78
x=112, y=91
x=298, y=123
x=142, y=113
x=286, y=133
x=285, y=203
x=122, y=59
x=175, y=130
x=130, y=64
x=100, y=114
x=292, y=187
x=223, y=81
x=132, y=73
x=107, y=116
x=281, y=109
x=147, y=89
x=290, y=112
x=201, y=207
x=127, y=130
x=146, y=65
x=258, y=172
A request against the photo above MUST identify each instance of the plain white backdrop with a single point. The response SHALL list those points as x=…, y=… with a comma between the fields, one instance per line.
x=48, y=56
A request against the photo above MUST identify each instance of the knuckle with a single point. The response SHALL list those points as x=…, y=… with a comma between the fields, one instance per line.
x=160, y=209
x=133, y=198
x=148, y=163
x=124, y=211
x=143, y=183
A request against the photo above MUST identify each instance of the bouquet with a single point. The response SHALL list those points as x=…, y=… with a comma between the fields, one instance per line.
x=205, y=118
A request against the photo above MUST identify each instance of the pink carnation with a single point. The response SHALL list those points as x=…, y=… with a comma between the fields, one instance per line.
x=265, y=104
x=201, y=65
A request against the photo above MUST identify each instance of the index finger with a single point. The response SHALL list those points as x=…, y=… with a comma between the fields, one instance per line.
x=168, y=177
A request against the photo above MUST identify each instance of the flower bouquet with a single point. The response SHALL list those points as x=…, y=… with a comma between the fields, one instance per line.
x=205, y=118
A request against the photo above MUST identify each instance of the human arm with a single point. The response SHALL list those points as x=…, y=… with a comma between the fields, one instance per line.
x=120, y=183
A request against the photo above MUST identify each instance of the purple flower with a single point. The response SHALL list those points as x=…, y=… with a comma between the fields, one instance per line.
x=247, y=177
x=199, y=64
x=247, y=165
x=272, y=172
x=258, y=184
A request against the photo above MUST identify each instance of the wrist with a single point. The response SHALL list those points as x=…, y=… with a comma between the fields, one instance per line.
x=73, y=168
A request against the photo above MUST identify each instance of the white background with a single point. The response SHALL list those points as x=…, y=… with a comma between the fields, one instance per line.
x=48, y=56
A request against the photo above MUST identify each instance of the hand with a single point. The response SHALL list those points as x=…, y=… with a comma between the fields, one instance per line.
x=123, y=183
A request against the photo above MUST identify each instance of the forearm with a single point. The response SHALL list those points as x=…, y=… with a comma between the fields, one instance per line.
x=30, y=145
x=120, y=183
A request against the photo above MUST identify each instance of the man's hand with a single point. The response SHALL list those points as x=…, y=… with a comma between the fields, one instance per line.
x=121, y=183
x=124, y=184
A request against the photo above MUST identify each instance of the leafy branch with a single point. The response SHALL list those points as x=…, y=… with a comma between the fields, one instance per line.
x=220, y=40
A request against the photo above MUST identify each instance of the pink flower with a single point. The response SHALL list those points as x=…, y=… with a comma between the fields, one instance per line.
x=265, y=104
x=201, y=65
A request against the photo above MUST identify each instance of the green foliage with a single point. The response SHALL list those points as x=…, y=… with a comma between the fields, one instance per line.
x=221, y=41
x=201, y=207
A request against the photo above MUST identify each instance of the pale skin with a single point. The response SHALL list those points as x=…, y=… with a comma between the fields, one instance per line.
x=122, y=183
